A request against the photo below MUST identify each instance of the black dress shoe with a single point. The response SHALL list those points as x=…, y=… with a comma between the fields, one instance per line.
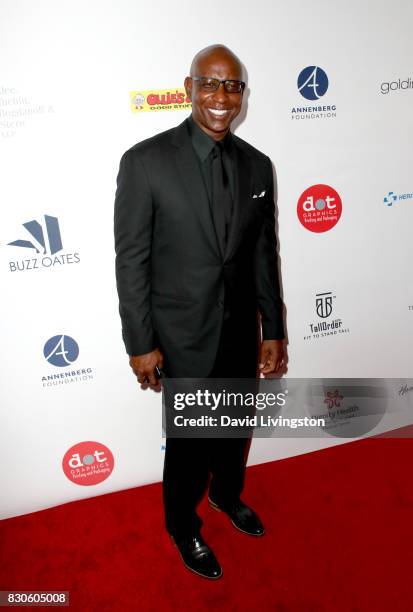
x=242, y=517
x=198, y=557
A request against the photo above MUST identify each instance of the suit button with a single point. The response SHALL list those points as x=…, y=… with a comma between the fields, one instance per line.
x=220, y=304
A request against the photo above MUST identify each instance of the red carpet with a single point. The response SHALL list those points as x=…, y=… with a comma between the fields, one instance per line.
x=339, y=538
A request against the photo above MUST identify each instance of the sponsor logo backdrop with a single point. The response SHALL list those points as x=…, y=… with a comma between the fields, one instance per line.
x=80, y=83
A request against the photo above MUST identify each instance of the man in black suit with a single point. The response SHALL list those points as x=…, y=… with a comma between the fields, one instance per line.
x=195, y=260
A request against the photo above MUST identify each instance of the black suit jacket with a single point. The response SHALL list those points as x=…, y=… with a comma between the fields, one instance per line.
x=172, y=279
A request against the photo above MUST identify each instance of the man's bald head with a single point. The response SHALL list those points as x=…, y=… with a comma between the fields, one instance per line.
x=214, y=108
x=214, y=53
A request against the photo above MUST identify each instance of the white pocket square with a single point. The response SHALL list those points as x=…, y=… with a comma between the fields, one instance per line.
x=261, y=195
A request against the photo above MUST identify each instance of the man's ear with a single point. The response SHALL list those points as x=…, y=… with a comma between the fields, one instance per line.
x=188, y=87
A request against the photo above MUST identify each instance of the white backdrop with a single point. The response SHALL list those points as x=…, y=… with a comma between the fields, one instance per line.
x=67, y=70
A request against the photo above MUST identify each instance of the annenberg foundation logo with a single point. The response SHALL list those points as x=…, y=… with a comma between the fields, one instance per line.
x=88, y=463
x=328, y=323
x=62, y=351
x=44, y=244
x=312, y=84
x=159, y=100
x=319, y=208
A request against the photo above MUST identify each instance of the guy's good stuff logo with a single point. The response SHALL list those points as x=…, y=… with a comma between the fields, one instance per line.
x=159, y=100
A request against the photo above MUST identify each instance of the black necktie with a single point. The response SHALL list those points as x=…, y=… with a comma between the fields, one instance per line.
x=221, y=196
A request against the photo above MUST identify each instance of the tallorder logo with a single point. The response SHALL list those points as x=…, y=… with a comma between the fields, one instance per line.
x=328, y=324
x=324, y=304
x=88, y=463
x=388, y=86
x=159, y=100
x=45, y=242
x=312, y=84
x=392, y=198
x=62, y=351
x=319, y=208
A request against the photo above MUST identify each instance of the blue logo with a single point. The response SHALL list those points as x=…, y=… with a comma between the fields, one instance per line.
x=390, y=199
x=312, y=83
x=61, y=351
x=39, y=233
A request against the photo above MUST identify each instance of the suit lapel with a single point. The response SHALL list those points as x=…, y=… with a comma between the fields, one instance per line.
x=242, y=189
x=192, y=178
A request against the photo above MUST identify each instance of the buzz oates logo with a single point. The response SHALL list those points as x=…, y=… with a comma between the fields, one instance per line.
x=88, y=463
x=319, y=208
x=327, y=324
x=62, y=352
x=312, y=85
x=41, y=246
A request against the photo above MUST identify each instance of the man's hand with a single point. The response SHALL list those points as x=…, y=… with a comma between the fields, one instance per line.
x=143, y=367
x=272, y=357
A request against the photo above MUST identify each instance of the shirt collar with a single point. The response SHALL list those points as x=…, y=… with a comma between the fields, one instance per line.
x=202, y=143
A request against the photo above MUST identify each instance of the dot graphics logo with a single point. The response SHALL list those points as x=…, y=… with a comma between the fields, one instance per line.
x=88, y=463
x=45, y=242
x=319, y=208
x=312, y=83
x=62, y=351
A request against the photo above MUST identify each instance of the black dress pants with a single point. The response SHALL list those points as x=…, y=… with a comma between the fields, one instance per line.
x=190, y=461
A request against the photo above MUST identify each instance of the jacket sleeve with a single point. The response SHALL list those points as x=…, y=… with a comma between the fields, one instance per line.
x=133, y=236
x=266, y=271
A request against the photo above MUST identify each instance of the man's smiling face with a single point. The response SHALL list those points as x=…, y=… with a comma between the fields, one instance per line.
x=214, y=111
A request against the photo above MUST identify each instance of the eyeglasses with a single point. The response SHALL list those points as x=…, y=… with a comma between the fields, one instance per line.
x=211, y=84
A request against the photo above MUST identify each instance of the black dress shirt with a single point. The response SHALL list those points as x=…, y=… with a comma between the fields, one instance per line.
x=203, y=146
